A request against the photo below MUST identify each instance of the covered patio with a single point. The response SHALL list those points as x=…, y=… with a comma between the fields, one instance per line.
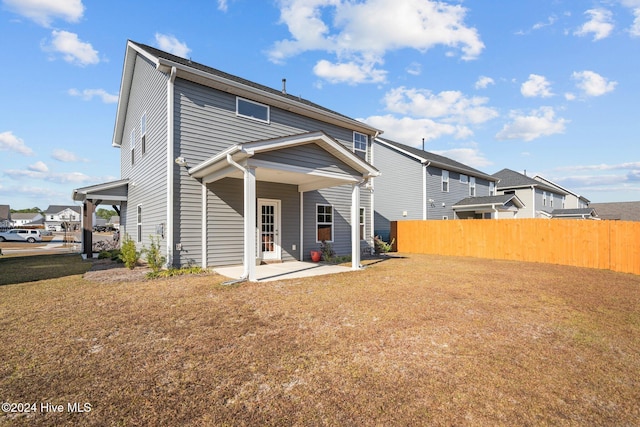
x=309, y=161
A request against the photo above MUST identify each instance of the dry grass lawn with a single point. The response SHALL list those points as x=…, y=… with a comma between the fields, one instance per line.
x=423, y=340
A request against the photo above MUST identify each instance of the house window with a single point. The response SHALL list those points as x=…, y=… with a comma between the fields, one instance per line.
x=563, y=202
x=492, y=188
x=362, y=236
x=445, y=181
x=324, y=223
x=472, y=187
x=551, y=199
x=132, y=144
x=544, y=198
x=464, y=178
x=143, y=132
x=360, y=144
x=139, y=220
x=252, y=110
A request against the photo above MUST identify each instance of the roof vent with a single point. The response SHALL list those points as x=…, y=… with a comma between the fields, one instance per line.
x=284, y=86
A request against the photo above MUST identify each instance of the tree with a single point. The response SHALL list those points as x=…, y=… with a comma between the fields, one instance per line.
x=105, y=213
x=29, y=210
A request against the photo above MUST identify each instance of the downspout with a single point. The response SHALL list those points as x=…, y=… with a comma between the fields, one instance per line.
x=355, y=224
x=170, y=165
x=425, y=201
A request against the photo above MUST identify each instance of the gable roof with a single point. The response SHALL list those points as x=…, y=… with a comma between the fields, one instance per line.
x=553, y=184
x=208, y=76
x=5, y=212
x=56, y=209
x=512, y=179
x=489, y=201
x=435, y=159
x=623, y=211
x=24, y=216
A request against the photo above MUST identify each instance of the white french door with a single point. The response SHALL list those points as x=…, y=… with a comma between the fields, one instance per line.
x=269, y=229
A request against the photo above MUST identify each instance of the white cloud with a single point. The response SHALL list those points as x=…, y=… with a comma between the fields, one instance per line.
x=10, y=142
x=66, y=156
x=540, y=122
x=415, y=69
x=43, y=12
x=172, y=45
x=89, y=94
x=550, y=21
x=222, y=5
x=593, y=84
x=603, y=167
x=362, y=32
x=56, y=177
x=349, y=72
x=536, y=86
x=73, y=50
x=469, y=156
x=39, y=166
x=635, y=27
x=410, y=131
x=569, y=96
x=450, y=106
x=483, y=82
x=600, y=24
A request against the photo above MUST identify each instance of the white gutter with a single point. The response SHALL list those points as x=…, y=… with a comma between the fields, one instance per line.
x=170, y=165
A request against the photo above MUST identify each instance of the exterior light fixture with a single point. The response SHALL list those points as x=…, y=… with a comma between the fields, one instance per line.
x=180, y=161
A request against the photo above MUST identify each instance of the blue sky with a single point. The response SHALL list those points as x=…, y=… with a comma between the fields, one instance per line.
x=550, y=87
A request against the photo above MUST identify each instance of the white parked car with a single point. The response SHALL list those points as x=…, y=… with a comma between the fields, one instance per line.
x=21, y=235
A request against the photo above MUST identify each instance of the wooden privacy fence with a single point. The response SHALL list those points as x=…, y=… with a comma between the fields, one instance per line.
x=612, y=245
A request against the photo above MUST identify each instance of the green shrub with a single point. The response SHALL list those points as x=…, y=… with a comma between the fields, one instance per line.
x=154, y=258
x=170, y=272
x=113, y=255
x=327, y=251
x=128, y=252
x=382, y=247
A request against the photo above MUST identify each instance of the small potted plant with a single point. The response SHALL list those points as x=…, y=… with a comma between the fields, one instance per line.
x=315, y=255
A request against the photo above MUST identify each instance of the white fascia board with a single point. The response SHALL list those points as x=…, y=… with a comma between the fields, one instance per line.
x=393, y=147
x=199, y=170
x=302, y=170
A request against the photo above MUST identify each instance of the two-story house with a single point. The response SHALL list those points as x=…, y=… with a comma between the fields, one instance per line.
x=26, y=219
x=57, y=217
x=225, y=171
x=417, y=184
x=540, y=198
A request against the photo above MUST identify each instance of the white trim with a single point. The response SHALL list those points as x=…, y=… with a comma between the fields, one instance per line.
x=301, y=226
x=143, y=134
x=277, y=253
x=139, y=223
x=443, y=180
x=355, y=226
x=238, y=114
x=425, y=208
x=170, y=165
x=302, y=170
x=333, y=222
x=366, y=142
x=204, y=226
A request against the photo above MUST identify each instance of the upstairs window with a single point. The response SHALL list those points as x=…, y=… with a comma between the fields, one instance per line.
x=551, y=199
x=143, y=132
x=472, y=187
x=360, y=142
x=544, y=198
x=132, y=143
x=464, y=178
x=445, y=181
x=252, y=110
x=492, y=188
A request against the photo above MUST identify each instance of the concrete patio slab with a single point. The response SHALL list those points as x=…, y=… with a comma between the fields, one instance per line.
x=283, y=271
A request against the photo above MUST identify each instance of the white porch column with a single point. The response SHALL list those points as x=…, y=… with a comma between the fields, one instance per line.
x=355, y=227
x=250, y=223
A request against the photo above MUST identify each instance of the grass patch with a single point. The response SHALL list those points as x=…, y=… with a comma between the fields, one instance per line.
x=40, y=267
x=422, y=340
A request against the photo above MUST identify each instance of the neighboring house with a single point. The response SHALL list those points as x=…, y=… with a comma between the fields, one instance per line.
x=225, y=171
x=5, y=217
x=114, y=221
x=26, y=219
x=539, y=198
x=622, y=211
x=417, y=184
x=57, y=215
x=578, y=213
x=571, y=200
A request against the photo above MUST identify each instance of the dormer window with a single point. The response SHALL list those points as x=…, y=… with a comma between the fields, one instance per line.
x=252, y=110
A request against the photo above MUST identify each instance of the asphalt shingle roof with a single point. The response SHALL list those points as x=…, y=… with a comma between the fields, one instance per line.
x=54, y=209
x=512, y=179
x=485, y=200
x=440, y=161
x=5, y=212
x=624, y=211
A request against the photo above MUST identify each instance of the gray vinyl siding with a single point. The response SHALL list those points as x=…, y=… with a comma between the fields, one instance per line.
x=225, y=220
x=205, y=124
x=309, y=155
x=397, y=190
x=147, y=177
